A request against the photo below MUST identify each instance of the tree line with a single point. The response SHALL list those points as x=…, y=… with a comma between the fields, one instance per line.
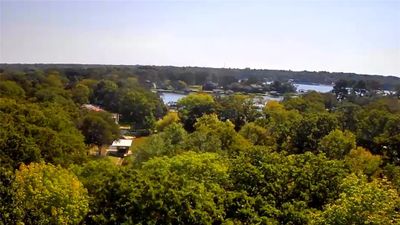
x=165, y=76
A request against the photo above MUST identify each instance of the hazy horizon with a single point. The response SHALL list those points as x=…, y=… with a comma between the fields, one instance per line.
x=193, y=66
x=335, y=36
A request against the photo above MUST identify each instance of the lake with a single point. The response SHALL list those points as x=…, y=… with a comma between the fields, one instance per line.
x=313, y=87
x=169, y=97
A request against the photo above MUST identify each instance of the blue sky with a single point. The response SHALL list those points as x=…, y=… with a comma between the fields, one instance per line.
x=344, y=36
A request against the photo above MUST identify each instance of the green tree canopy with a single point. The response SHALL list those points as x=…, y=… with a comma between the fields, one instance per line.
x=80, y=93
x=362, y=202
x=139, y=108
x=167, y=143
x=239, y=109
x=11, y=89
x=337, y=144
x=99, y=128
x=361, y=161
x=105, y=182
x=286, y=188
x=46, y=194
x=169, y=118
x=194, y=106
x=30, y=133
x=185, y=189
x=257, y=135
x=305, y=104
x=309, y=131
x=212, y=135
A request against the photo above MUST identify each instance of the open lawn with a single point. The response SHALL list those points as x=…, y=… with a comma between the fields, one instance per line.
x=113, y=159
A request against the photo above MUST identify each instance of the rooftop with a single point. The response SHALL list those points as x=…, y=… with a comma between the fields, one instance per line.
x=122, y=143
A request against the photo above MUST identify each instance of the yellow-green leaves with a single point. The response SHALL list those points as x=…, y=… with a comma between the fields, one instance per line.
x=46, y=194
x=337, y=144
x=171, y=117
x=363, y=202
x=194, y=106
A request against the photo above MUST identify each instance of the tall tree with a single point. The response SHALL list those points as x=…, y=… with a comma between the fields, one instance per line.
x=362, y=202
x=45, y=194
x=194, y=106
x=337, y=144
x=99, y=128
x=239, y=109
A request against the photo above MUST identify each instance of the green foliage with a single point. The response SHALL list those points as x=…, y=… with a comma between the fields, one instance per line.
x=391, y=105
x=348, y=115
x=390, y=139
x=306, y=135
x=140, y=108
x=340, y=89
x=194, y=106
x=303, y=104
x=337, y=144
x=239, y=109
x=371, y=125
x=280, y=122
x=393, y=174
x=282, y=88
x=80, y=94
x=362, y=161
x=362, y=202
x=171, y=117
x=99, y=128
x=284, y=165
x=287, y=187
x=257, y=135
x=179, y=85
x=6, y=200
x=167, y=143
x=104, y=95
x=104, y=180
x=185, y=189
x=45, y=194
x=54, y=79
x=11, y=89
x=136, y=105
x=211, y=135
x=30, y=133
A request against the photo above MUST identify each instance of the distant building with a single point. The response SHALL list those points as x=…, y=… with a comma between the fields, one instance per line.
x=96, y=108
x=218, y=91
x=92, y=107
x=209, y=86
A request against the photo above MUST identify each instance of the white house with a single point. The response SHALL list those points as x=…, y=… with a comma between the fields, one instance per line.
x=120, y=147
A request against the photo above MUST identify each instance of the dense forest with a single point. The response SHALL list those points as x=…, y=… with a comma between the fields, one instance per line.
x=316, y=158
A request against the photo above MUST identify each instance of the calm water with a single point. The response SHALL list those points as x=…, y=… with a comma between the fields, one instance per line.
x=310, y=87
x=174, y=97
x=171, y=97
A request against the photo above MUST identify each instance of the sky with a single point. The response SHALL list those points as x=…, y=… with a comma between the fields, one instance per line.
x=337, y=36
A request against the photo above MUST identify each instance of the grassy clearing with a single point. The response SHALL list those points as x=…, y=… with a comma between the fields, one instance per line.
x=137, y=142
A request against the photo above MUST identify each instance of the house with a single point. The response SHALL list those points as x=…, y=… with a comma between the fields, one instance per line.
x=120, y=147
